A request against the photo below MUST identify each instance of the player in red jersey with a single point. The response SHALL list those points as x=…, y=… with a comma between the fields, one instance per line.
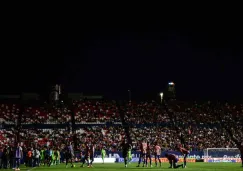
x=184, y=152
x=86, y=155
x=91, y=154
x=173, y=160
x=148, y=155
x=157, y=153
x=143, y=150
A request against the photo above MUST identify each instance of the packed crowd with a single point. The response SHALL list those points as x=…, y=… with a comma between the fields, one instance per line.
x=46, y=115
x=198, y=124
x=95, y=111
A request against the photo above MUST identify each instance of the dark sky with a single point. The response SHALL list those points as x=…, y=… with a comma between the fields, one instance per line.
x=109, y=57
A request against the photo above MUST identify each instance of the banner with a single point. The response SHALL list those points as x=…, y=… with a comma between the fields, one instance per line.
x=193, y=155
x=121, y=160
x=225, y=160
x=163, y=160
x=135, y=154
x=106, y=160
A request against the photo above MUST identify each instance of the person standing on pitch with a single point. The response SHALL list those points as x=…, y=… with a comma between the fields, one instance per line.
x=184, y=152
x=148, y=155
x=157, y=153
x=143, y=150
x=103, y=154
x=91, y=156
x=130, y=154
x=125, y=149
x=18, y=155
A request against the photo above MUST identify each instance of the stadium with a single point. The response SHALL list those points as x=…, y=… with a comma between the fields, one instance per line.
x=88, y=132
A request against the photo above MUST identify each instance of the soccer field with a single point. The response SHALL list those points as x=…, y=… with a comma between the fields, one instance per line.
x=118, y=166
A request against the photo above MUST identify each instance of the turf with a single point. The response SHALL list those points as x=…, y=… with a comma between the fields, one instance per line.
x=132, y=167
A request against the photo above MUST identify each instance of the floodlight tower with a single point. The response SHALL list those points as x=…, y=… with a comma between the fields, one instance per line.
x=169, y=104
x=55, y=93
x=161, y=96
x=170, y=91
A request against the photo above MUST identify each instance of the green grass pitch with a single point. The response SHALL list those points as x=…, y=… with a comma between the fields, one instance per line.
x=132, y=167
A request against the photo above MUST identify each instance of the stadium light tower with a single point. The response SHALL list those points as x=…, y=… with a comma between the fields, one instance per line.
x=129, y=95
x=171, y=83
x=161, y=96
x=171, y=90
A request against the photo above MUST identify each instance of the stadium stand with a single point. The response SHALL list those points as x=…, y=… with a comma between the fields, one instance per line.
x=146, y=120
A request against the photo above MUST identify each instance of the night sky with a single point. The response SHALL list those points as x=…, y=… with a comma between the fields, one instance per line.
x=108, y=57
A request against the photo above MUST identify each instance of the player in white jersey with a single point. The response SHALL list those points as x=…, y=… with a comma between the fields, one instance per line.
x=157, y=153
x=18, y=155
